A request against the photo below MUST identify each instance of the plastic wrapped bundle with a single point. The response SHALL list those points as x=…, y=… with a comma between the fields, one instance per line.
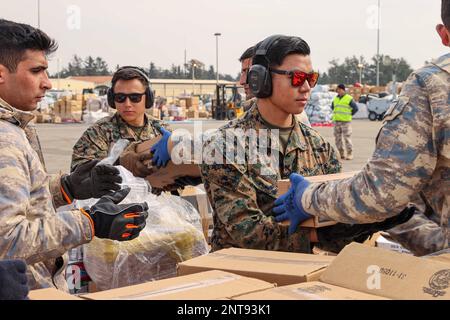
x=318, y=108
x=173, y=234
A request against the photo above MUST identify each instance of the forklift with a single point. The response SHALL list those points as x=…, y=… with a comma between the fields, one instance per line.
x=227, y=103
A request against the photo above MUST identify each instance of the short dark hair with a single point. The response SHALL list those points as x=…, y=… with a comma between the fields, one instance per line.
x=284, y=46
x=129, y=73
x=445, y=13
x=249, y=53
x=16, y=38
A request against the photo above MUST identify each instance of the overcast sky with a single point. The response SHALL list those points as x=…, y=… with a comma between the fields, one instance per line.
x=137, y=31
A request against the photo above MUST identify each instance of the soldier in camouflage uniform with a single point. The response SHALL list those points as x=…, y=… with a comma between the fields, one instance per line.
x=242, y=194
x=411, y=163
x=246, y=62
x=129, y=122
x=30, y=229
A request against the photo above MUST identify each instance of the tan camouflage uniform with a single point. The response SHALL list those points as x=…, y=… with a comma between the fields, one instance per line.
x=411, y=161
x=30, y=229
x=342, y=132
x=242, y=195
x=96, y=141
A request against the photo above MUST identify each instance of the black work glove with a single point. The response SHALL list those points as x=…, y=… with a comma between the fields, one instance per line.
x=13, y=280
x=361, y=232
x=115, y=221
x=187, y=181
x=90, y=181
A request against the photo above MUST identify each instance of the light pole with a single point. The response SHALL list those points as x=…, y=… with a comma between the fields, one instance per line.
x=193, y=76
x=217, y=34
x=378, y=46
x=39, y=13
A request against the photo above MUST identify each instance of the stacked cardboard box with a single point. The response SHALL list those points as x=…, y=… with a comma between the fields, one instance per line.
x=369, y=273
x=282, y=268
x=210, y=285
x=69, y=108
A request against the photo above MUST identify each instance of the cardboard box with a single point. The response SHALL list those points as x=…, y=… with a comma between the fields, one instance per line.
x=388, y=274
x=164, y=177
x=384, y=243
x=442, y=258
x=308, y=291
x=51, y=294
x=192, y=114
x=210, y=285
x=282, y=268
x=315, y=222
x=199, y=199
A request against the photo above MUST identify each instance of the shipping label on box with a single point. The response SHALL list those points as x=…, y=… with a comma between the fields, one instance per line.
x=388, y=274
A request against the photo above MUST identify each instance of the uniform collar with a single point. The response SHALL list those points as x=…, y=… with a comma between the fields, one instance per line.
x=15, y=116
x=443, y=62
x=296, y=140
x=126, y=131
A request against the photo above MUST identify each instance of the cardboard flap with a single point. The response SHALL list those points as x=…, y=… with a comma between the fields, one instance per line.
x=51, y=294
x=272, y=266
x=308, y=291
x=389, y=274
x=203, y=286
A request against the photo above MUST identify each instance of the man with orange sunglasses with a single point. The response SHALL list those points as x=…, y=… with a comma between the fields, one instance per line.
x=242, y=192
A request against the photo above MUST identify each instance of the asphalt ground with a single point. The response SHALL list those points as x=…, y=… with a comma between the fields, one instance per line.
x=57, y=140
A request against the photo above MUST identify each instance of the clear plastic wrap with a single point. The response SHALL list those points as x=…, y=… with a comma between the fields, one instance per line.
x=173, y=234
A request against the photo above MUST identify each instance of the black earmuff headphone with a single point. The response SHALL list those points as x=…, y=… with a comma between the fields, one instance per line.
x=259, y=77
x=149, y=97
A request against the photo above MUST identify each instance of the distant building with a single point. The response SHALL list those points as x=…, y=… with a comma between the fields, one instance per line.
x=162, y=87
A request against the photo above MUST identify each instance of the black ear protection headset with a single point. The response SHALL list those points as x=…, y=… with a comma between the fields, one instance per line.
x=259, y=77
x=149, y=97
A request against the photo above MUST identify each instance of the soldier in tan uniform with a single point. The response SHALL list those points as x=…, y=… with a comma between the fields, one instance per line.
x=411, y=164
x=30, y=229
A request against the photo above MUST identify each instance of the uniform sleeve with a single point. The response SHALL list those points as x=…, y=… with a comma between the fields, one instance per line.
x=55, y=190
x=420, y=235
x=30, y=229
x=91, y=145
x=403, y=162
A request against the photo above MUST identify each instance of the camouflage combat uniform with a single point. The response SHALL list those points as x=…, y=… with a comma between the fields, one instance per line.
x=411, y=163
x=30, y=229
x=96, y=141
x=242, y=195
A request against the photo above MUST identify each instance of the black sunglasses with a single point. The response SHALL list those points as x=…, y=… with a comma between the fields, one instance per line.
x=134, y=97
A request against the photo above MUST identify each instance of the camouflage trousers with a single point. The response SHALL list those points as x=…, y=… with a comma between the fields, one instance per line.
x=342, y=136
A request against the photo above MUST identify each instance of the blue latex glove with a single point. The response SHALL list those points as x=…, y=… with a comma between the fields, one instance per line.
x=13, y=280
x=160, y=154
x=289, y=205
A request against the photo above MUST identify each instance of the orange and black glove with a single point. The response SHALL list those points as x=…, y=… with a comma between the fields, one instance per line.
x=111, y=220
x=90, y=180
